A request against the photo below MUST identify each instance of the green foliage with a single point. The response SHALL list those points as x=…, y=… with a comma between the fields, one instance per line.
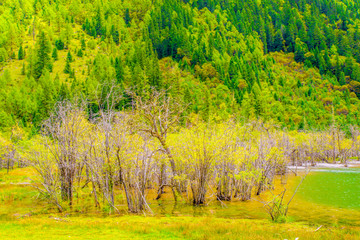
x=21, y=53
x=67, y=68
x=23, y=69
x=83, y=44
x=79, y=53
x=42, y=57
x=127, y=17
x=215, y=55
x=5, y=120
x=3, y=55
x=69, y=57
x=55, y=54
x=59, y=44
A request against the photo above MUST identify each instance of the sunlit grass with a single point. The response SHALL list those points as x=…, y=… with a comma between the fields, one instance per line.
x=136, y=227
x=17, y=175
x=79, y=65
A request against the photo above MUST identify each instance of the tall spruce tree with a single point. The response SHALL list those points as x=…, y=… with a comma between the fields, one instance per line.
x=43, y=60
x=55, y=54
x=67, y=64
x=21, y=52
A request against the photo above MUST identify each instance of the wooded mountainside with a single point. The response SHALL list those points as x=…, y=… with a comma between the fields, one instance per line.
x=294, y=63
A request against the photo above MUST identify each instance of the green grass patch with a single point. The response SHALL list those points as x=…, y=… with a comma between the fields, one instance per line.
x=137, y=227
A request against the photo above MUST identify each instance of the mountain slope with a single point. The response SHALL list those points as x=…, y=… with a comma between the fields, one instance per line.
x=216, y=55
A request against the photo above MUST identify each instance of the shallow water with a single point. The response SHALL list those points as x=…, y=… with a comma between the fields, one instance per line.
x=326, y=197
x=333, y=187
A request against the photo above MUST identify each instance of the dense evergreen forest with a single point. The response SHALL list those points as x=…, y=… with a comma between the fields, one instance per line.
x=294, y=63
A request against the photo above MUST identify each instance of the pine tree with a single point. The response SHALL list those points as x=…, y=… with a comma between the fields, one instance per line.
x=80, y=53
x=93, y=32
x=349, y=66
x=23, y=69
x=64, y=92
x=344, y=46
x=55, y=54
x=342, y=79
x=127, y=17
x=322, y=64
x=119, y=70
x=69, y=57
x=21, y=54
x=67, y=66
x=300, y=50
x=278, y=41
x=43, y=56
x=59, y=44
x=115, y=34
x=155, y=74
x=289, y=38
x=83, y=44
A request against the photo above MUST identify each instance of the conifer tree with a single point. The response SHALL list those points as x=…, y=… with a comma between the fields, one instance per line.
x=23, y=70
x=342, y=79
x=119, y=70
x=21, y=53
x=67, y=66
x=42, y=56
x=127, y=17
x=83, y=44
x=55, y=54
x=59, y=44
x=115, y=34
x=69, y=57
x=299, y=50
x=80, y=53
x=278, y=41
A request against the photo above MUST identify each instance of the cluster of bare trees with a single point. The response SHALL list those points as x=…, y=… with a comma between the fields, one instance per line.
x=332, y=146
x=9, y=154
x=111, y=151
x=97, y=155
x=117, y=155
x=7, y=157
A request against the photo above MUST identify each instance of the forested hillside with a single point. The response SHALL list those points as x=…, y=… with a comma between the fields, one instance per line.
x=157, y=107
x=294, y=63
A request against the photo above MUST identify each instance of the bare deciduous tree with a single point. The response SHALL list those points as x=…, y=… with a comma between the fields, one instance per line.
x=158, y=115
x=65, y=129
